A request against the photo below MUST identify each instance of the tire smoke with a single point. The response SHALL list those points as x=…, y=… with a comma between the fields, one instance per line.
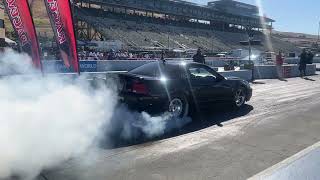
x=131, y=125
x=46, y=120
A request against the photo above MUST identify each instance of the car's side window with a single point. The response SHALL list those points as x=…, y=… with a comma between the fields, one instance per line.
x=199, y=73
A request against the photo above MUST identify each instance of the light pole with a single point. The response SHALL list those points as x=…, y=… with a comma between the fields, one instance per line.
x=318, y=33
x=169, y=30
x=168, y=41
x=212, y=41
x=250, y=38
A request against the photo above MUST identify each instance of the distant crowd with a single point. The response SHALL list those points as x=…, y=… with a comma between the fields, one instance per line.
x=114, y=55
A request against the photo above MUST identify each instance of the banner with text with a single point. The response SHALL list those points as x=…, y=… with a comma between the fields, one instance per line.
x=60, y=15
x=21, y=19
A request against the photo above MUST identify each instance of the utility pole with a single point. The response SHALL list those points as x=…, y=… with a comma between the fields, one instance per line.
x=168, y=38
x=318, y=33
x=212, y=41
x=250, y=38
x=168, y=41
x=250, y=60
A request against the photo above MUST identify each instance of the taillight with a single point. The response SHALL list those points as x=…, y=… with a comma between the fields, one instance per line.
x=139, y=88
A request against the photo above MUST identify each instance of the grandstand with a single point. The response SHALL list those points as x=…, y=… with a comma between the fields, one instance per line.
x=175, y=24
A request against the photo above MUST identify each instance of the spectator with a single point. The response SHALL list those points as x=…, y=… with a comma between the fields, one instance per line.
x=162, y=55
x=199, y=58
x=91, y=54
x=279, y=64
x=112, y=55
x=101, y=56
x=303, y=63
x=310, y=57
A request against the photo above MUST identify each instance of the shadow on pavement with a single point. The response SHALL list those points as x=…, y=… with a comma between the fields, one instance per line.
x=284, y=80
x=215, y=117
x=258, y=82
x=309, y=79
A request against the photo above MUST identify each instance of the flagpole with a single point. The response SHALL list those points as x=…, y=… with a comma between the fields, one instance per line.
x=72, y=9
x=37, y=39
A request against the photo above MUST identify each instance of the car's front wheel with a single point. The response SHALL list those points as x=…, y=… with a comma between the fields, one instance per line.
x=240, y=98
x=178, y=106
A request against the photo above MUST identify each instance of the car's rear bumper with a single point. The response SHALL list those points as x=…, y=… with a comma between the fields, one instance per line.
x=142, y=103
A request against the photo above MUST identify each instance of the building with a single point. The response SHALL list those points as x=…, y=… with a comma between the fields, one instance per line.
x=169, y=25
x=234, y=7
x=220, y=15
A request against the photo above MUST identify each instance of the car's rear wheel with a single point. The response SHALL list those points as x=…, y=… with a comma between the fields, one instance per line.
x=240, y=98
x=178, y=107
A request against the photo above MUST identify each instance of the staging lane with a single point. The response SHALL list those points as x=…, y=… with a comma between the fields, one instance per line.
x=283, y=119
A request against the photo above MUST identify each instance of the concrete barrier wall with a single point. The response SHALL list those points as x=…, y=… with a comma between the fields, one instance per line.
x=261, y=72
x=109, y=66
x=122, y=65
x=102, y=66
x=216, y=63
x=243, y=74
x=289, y=71
x=129, y=65
x=296, y=60
x=222, y=63
x=304, y=165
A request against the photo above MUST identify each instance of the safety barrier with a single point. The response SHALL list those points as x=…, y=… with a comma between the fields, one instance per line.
x=260, y=72
x=289, y=71
x=115, y=65
x=296, y=60
x=304, y=165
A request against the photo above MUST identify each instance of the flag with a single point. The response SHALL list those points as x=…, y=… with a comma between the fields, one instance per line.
x=60, y=15
x=22, y=22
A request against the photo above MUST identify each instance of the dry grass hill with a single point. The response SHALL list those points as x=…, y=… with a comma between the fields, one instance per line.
x=298, y=39
x=40, y=19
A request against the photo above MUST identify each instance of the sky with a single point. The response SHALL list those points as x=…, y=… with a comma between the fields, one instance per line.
x=301, y=16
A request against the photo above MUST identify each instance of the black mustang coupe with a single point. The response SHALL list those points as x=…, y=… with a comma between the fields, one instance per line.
x=180, y=88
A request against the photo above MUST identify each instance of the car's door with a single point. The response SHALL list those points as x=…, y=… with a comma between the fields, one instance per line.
x=206, y=86
x=223, y=89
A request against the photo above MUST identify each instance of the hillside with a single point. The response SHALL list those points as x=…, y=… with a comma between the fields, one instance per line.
x=298, y=39
x=38, y=8
x=40, y=19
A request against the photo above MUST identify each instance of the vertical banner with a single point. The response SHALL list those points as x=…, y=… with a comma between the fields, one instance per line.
x=59, y=12
x=21, y=19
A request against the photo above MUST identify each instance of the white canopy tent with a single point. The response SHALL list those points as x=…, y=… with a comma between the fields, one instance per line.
x=10, y=42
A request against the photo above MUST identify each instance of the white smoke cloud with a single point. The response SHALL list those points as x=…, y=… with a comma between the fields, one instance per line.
x=12, y=62
x=46, y=120
x=133, y=123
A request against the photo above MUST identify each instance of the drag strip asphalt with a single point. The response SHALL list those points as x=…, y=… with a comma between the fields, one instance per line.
x=282, y=119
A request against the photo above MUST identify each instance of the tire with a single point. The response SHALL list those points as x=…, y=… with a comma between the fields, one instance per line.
x=239, y=99
x=178, y=106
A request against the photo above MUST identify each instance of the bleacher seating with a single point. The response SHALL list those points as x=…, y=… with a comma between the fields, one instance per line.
x=140, y=32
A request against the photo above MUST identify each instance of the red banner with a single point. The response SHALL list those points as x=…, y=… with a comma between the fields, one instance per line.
x=60, y=15
x=21, y=19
